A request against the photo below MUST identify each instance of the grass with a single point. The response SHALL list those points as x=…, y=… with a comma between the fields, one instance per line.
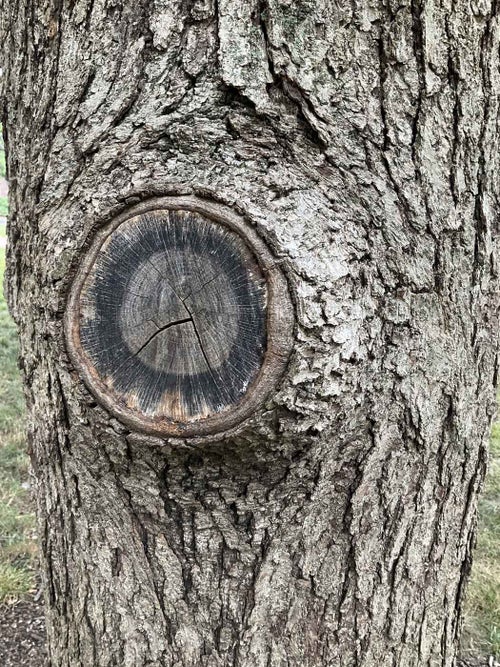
x=17, y=523
x=482, y=626
x=18, y=550
x=2, y=156
x=4, y=206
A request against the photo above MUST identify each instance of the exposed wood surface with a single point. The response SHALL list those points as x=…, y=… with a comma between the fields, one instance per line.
x=173, y=315
x=180, y=319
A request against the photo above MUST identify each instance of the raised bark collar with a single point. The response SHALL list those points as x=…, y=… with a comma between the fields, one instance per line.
x=179, y=319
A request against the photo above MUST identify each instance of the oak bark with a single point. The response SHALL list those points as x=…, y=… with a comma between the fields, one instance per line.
x=361, y=140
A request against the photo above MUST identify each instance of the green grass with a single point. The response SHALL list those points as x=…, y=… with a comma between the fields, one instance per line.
x=482, y=611
x=4, y=206
x=17, y=523
x=3, y=170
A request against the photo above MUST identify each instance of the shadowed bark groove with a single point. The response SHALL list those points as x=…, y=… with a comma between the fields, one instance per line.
x=335, y=527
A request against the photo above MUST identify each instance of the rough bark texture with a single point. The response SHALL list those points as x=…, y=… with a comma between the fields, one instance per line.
x=361, y=139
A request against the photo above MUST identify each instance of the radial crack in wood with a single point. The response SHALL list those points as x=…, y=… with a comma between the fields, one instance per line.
x=161, y=330
x=170, y=320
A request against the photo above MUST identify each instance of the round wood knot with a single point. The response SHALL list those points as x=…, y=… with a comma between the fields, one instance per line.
x=179, y=319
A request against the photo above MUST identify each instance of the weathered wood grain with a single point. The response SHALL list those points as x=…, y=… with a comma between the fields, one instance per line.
x=170, y=318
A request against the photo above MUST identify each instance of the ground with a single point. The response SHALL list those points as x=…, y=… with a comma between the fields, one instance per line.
x=22, y=633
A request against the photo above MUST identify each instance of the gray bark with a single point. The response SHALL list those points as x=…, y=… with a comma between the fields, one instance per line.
x=361, y=139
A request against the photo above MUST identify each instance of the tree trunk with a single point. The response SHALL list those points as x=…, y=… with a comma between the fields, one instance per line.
x=360, y=140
